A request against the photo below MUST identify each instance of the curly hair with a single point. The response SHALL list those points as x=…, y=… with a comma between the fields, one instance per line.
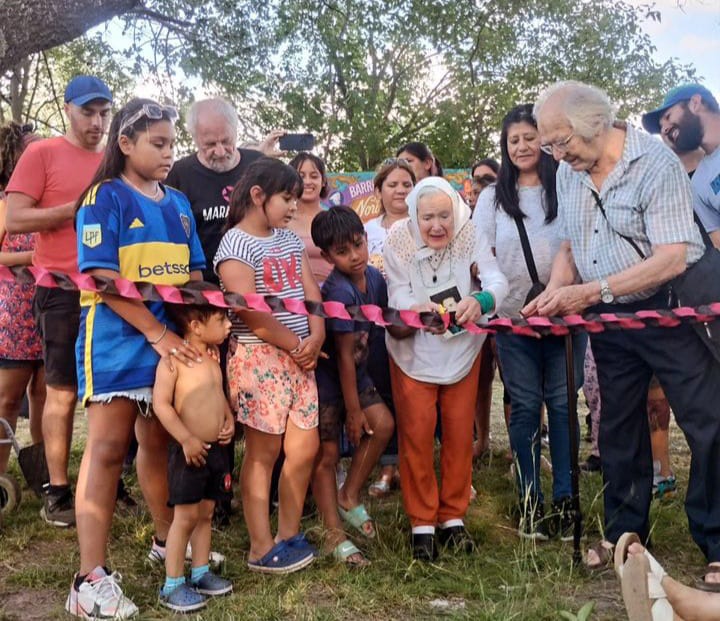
x=11, y=146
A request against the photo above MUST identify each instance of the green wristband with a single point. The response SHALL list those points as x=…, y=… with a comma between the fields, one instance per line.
x=485, y=299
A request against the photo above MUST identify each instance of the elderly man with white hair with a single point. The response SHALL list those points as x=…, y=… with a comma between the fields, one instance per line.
x=208, y=176
x=625, y=206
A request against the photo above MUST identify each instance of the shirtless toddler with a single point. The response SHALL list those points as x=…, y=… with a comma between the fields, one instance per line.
x=190, y=403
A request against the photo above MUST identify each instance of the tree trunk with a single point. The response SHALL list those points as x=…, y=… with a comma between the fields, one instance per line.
x=29, y=26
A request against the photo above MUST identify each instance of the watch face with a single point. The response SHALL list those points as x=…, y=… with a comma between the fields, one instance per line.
x=607, y=297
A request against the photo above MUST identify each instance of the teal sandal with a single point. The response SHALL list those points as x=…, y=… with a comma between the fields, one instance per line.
x=356, y=517
x=345, y=550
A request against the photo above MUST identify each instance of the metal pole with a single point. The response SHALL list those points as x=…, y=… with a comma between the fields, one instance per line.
x=574, y=445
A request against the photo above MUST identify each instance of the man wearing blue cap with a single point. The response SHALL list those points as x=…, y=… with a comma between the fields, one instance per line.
x=689, y=118
x=46, y=183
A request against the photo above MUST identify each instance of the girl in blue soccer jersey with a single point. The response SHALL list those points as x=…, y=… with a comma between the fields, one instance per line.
x=128, y=225
x=271, y=361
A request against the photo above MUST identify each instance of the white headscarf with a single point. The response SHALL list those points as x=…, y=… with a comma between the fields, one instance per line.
x=461, y=212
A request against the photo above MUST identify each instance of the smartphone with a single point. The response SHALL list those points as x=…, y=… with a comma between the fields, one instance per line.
x=296, y=142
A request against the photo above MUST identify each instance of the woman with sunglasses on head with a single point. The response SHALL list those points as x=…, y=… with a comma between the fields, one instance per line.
x=482, y=173
x=315, y=187
x=524, y=198
x=393, y=181
x=421, y=160
x=129, y=225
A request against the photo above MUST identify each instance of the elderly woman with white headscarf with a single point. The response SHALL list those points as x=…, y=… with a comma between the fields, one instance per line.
x=428, y=260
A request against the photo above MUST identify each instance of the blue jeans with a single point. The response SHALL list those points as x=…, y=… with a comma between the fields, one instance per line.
x=533, y=371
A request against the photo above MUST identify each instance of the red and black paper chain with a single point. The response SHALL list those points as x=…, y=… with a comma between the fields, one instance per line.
x=544, y=326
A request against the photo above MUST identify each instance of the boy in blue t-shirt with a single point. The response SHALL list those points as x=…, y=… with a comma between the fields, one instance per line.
x=346, y=391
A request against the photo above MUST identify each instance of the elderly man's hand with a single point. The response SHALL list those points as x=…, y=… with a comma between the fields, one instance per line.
x=269, y=145
x=569, y=300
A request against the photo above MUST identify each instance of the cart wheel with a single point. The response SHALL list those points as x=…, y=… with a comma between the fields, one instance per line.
x=10, y=494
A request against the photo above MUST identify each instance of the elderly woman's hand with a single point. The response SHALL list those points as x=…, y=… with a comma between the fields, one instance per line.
x=468, y=309
x=429, y=307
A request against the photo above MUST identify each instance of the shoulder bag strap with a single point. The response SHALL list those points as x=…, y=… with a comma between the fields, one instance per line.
x=527, y=251
x=703, y=231
x=630, y=241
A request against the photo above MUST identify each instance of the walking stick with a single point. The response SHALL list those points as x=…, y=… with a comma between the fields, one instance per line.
x=574, y=445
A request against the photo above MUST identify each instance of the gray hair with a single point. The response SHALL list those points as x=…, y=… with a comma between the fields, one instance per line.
x=587, y=108
x=429, y=191
x=217, y=106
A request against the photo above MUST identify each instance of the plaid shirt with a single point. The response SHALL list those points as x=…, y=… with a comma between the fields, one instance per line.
x=646, y=197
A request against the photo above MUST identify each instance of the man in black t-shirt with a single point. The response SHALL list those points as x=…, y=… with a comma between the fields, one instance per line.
x=208, y=176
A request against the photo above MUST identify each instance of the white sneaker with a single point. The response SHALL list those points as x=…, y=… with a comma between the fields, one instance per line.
x=100, y=597
x=157, y=555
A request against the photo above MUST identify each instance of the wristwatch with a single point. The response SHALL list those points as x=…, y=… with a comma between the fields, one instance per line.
x=605, y=294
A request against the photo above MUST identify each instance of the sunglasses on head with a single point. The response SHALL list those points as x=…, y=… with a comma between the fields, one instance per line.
x=153, y=112
x=395, y=160
x=484, y=180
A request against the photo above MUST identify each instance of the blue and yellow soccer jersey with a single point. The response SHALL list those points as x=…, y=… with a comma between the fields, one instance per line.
x=122, y=230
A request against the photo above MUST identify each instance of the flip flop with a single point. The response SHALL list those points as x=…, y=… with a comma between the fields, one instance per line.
x=356, y=517
x=634, y=586
x=604, y=553
x=344, y=550
x=641, y=582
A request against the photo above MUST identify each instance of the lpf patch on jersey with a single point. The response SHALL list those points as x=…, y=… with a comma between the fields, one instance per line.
x=91, y=235
x=185, y=223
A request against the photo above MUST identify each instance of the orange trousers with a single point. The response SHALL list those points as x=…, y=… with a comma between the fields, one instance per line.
x=416, y=408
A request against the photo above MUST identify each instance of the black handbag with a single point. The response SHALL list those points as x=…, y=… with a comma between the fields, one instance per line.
x=537, y=286
x=700, y=284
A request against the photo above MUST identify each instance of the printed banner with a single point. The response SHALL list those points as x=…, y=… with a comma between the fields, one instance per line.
x=355, y=189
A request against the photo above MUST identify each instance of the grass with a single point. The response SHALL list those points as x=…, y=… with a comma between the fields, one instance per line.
x=508, y=579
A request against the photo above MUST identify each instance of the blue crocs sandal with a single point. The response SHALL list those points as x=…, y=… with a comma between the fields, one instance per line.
x=183, y=599
x=212, y=585
x=300, y=542
x=282, y=559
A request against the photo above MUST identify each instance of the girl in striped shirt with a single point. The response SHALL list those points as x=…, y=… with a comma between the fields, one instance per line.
x=271, y=360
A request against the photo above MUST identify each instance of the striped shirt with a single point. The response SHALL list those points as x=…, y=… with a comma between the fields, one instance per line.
x=646, y=197
x=277, y=262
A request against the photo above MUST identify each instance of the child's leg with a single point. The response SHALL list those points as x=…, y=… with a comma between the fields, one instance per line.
x=261, y=452
x=324, y=485
x=185, y=520
x=301, y=447
x=367, y=454
x=659, y=419
x=202, y=534
x=483, y=404
x=109, y=429
x=152, y=463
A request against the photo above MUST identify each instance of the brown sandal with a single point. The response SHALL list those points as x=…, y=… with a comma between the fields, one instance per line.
x=703, y=585
x=604, y=550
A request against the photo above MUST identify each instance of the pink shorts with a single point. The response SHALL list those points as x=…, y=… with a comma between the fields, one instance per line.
x=267, y=387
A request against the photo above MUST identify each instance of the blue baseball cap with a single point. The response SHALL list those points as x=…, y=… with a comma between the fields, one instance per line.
x=651, y=120
x=84, y=88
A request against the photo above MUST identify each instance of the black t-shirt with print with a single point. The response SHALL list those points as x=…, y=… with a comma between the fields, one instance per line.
x=209, y=195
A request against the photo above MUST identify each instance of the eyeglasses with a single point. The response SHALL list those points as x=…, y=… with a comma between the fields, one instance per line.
x=561, y=146
x=154, y=112
x=395, y=160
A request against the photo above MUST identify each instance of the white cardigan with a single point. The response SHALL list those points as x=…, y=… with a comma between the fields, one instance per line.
x=424, y=356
